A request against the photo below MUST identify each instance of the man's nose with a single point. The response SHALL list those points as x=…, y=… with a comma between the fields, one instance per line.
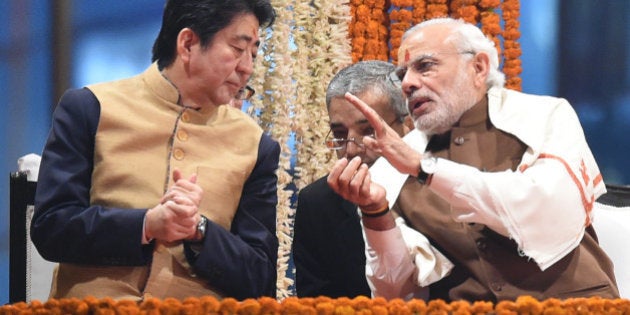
x=410, y=83
x=246, y=64
x=353, y=149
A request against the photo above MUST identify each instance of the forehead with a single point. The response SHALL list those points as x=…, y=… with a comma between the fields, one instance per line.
x=243, y=27
x=343, y=112
x=428, y=40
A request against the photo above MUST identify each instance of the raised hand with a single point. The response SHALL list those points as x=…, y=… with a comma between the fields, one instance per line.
x=387, y=142
x=351, y=180
x=184, y=187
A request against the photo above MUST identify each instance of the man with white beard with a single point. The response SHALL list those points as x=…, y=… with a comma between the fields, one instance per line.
x=504, y=186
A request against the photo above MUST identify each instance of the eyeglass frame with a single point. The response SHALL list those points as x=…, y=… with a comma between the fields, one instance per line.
x=245, y=93
x=345, y=141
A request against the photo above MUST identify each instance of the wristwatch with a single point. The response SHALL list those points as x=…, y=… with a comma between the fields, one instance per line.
x=428, y=165
x=201, y=228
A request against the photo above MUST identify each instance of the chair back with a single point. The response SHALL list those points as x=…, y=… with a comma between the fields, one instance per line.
x=611, y=220
x=30, y=275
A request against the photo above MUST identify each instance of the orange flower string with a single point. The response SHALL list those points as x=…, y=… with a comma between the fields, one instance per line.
x=490, y=20
x=488, y=4
x=247, y=307
x=460, y=307
x=438, y=306
x=419, y=11
x=400, y=20
x=368, y=30
x=436, y=8
x=512, y=64
x=318, y=306
x=465, y=9
x=398, y=307
x=481, y=307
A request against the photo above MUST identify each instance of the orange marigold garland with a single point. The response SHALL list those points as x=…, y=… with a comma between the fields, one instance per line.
x=369, y=30
x=490, y=21
x=318, y=306
x=380, y=15
x=436, y=8
x=466, y=10
x=419, y=11
x=512, y=50
x=401, y=19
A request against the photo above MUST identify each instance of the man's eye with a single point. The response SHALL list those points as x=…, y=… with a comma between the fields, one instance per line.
x=238, y=50
x=400, y=73
x=424, y=66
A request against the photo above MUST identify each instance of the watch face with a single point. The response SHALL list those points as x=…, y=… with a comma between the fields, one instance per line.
x=429, y=165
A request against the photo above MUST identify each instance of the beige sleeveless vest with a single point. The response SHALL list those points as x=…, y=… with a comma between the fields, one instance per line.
x=143, y=135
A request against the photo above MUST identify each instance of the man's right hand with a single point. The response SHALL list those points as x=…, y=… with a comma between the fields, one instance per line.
x=173, y=220
x=177, y=215
x=351, y=180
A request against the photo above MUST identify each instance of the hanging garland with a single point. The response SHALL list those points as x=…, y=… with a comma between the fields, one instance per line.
x=511, y=47
x=370, y=30
x=313, y=40
x=274, y=106
x=323, y=48
x=491, y=21
x=436, y=8
x=401, y=17
x=419, y=11
x=306, y=46
x=465, y=10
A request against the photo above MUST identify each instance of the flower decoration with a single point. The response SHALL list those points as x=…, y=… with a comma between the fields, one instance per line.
x=318, y=306
x=512, y=50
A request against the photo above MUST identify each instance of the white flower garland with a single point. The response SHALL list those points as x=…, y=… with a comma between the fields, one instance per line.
x=306, y=46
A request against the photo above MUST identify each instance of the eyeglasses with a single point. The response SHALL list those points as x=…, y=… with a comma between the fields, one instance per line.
x=425, y=64
x=245, y=93
x=340, y=144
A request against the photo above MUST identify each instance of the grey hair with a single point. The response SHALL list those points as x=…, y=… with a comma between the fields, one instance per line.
x=468, y=37
x=371, y=75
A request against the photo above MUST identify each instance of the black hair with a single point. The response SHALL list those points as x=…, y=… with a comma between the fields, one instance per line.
x=205, y=18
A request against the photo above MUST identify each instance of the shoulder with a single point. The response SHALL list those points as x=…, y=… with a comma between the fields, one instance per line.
x=529, y=117
x=507, y=102
x=78, y=105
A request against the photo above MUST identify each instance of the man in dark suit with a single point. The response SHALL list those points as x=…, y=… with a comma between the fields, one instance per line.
x=328, y=246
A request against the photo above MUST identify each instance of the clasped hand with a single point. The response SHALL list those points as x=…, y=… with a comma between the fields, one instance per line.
x=176, y=216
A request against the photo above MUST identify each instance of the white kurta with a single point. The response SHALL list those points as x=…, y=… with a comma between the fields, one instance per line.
x=544, y=206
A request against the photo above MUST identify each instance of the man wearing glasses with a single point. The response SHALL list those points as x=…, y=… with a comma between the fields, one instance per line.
x=328, y=246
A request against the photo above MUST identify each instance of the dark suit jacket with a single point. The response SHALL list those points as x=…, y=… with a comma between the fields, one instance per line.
x=328, y=247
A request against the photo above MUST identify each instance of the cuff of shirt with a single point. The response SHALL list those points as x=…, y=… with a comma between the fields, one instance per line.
x=145, y=240
x=381, y=241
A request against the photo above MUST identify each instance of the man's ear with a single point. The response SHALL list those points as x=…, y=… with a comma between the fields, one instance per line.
x=186, y=39
x=481, y=64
